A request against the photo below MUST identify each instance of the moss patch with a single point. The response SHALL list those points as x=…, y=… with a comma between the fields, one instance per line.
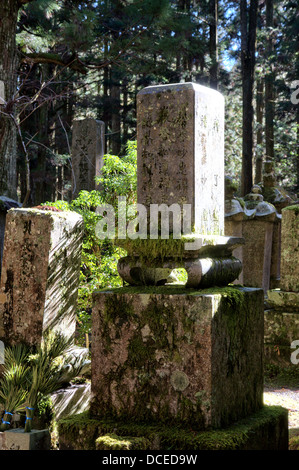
x=294, y=439
x=149, y=249
x=294, y=208
x=80, y=432
x=232, y=292
x=114, y=442
x=160, y=326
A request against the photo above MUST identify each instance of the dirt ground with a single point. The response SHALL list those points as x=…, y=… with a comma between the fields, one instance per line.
x=287, y=398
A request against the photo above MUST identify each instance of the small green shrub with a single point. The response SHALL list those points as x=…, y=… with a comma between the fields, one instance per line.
x=99, y=257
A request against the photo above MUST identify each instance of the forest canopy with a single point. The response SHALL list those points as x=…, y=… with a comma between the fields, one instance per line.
x=68, y=59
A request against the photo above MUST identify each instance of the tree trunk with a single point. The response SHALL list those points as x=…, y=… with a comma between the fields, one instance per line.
x=115, y=117
x=125, y=111
x=248, y=39
x=213, y=6
x=259, y=133
x=269, y=85
x=297, y=154
x=105, y=115
x=8, y=68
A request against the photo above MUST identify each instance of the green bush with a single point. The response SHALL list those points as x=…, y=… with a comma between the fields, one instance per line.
x=100, y=257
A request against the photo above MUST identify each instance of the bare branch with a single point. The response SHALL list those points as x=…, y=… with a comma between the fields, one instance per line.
x=51, y=58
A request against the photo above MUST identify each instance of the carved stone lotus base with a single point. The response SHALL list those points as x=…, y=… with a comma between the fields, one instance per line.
x=207, y=264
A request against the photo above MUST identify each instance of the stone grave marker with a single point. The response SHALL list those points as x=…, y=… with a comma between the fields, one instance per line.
x=289, y=274
x=281, y=318
x=40, y=274
x=87, y=154
x=179, y=355
x=180, y=164
x=180, y=151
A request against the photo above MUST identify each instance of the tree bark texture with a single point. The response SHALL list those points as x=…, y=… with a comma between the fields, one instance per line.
x=248, y=47
x=213, y=5
x=269, y=85
x=8, y=68
x=259, y=132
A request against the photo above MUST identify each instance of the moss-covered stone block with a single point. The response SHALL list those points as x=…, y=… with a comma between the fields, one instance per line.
x=267, y=429
x=289, y=268
x=283, y=300
x=176, y=355
x=40, y=274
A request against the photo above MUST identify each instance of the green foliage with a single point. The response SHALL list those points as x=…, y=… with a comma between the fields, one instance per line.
x=30, y=374
x=13, y=382
x=280, y=376
x=99, y=257
x=119, y=176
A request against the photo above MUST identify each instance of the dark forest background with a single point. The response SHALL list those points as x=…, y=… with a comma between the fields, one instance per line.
x=69, y=59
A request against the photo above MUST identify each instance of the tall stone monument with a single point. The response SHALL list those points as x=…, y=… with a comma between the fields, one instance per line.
x=180, y=171
x=179, y=355
x=87, y=154
x=180, y=148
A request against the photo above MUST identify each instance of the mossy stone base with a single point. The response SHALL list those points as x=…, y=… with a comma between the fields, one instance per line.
x=266, y=429
x=177, y=355
x=282, y=300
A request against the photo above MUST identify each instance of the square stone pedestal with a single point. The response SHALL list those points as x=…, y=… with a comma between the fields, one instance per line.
x=176, y=355
x=17, y=439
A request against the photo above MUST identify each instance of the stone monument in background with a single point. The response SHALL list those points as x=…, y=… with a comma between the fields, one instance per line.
x=88, y=143
x=281, y=318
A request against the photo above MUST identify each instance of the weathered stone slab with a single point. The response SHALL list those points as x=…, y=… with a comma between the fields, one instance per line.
x=71, y=400
x=5, y=204
x=40, y=274
x=276, y=254
x=257, y=228
x=180, y=151
x=87, y=154
x=282, y=300
x=17, y=439
x=289, y=268
x=234, y=216
x=257, y=253
x=177, y=355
